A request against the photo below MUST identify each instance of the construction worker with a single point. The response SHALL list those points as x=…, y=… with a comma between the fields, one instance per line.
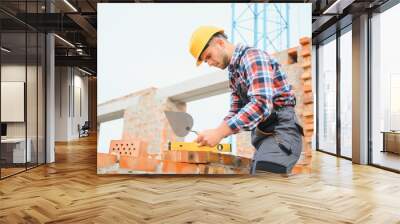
x=262, y=100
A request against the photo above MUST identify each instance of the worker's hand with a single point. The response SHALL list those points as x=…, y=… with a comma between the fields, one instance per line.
x=210, y=137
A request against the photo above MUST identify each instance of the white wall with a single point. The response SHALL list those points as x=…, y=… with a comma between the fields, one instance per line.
x=33, y=126
x=61, y=103
x=70, y=83
x=80, y=100
x=12, y=73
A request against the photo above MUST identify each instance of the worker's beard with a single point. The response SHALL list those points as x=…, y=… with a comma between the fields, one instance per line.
x=225, y=60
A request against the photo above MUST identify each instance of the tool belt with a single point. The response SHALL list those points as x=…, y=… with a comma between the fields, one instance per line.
x=267, y=128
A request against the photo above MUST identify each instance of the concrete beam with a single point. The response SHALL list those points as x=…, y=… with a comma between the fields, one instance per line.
x=115, y=109
x=198, y=88
x=320, y=22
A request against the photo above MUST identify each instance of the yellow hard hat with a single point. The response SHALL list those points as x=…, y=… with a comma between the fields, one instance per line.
x=200, y=38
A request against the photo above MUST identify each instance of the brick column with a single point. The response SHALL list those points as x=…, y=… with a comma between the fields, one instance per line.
x=146, y=121
x=308, y=102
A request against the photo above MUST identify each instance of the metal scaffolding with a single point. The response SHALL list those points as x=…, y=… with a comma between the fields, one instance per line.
x=265, y=24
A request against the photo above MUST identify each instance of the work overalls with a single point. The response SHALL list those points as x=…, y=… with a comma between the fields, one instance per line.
x=277, y=139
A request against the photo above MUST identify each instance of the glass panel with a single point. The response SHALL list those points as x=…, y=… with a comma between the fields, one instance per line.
x=22, y=88
x=13, y=89
x=41, y=98
x=32, y=113
x=385, y=89
x=31, y=86
x=346, y=94
x=327, y=96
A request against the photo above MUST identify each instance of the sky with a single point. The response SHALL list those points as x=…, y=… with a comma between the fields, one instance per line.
x=145, y=45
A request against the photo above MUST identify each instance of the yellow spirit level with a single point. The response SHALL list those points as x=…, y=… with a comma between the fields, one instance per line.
x=193, y=146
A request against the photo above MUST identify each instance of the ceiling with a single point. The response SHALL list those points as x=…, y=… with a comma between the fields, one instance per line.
x=76, y=22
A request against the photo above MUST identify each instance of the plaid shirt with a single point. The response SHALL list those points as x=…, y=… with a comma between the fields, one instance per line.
x=266, y=85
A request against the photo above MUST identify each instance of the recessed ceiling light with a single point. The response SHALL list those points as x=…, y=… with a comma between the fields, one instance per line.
x=5, y=49
x=338, y=6
x=84, y=71
x=70, y=5
x=64, y=40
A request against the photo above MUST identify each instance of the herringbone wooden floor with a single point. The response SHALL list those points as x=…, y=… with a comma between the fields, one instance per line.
x=70, y=191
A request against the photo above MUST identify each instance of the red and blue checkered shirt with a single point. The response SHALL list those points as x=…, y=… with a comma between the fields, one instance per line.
x=261, y=77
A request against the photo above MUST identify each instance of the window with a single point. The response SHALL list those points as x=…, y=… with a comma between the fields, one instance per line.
x=385, y=89
x=346, y=93
x=327, y=96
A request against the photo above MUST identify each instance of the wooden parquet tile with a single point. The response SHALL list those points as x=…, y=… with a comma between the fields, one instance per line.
x=70, y=191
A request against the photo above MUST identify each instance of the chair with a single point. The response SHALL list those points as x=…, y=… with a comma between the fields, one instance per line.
x=84, y=130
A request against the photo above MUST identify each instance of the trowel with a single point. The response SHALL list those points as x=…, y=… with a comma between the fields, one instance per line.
x=181, y=122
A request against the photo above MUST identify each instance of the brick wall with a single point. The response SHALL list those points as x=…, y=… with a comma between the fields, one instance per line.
x=132, y=156
x=143, y=148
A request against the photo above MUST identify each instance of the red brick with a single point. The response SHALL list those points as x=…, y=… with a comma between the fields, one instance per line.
x=214, y=158
x=203, y=169
x=105, y=160
x=169, y=167
x=198, y=157
x=241, y=170
x=186, y=156
x=307, y=149
x=308, y=133
x=307, y=70
x=292, y=55
x=306, y=64
x=181, y=156
x=139, y=163
x=309, y=127
x=308, y=120
x=307, y=113
x=227, y=160
x=292, y=51
x=308, y=140
x=216, y=169
x=305, y=50
x=301, y=168
x=132, y=147
x=307, y=85
x=305, y=40
x=168, y=155
x=245, y=162
x=308, y=98
x=306, y=75
x=308, y=107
